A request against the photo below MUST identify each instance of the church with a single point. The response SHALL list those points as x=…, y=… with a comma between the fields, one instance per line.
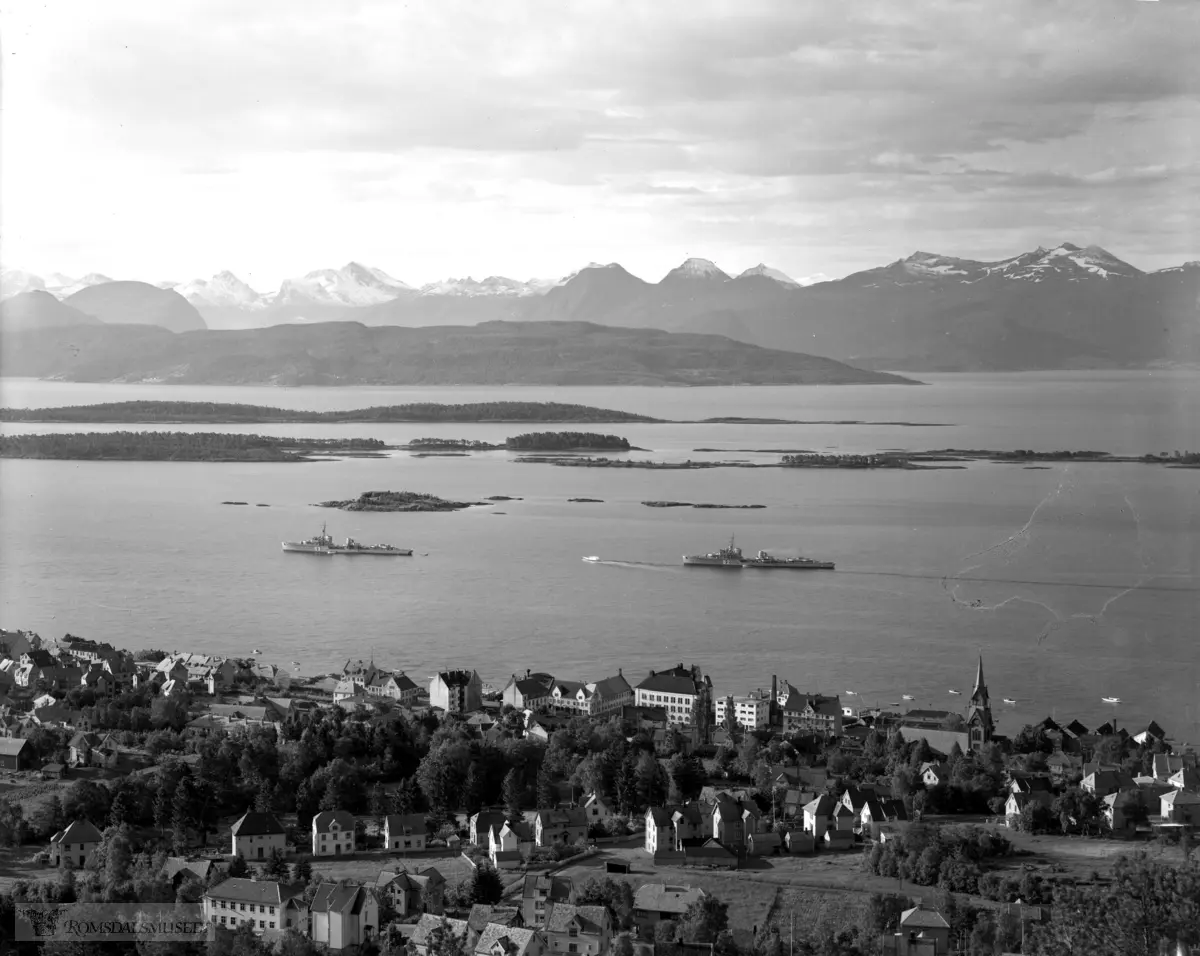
x=930, y=725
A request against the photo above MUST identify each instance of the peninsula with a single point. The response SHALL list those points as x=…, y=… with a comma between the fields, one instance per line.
x=184, y=446
x=398, y=501
x=218, y=413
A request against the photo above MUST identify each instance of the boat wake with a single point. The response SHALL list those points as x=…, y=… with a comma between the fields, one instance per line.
x=634, y=565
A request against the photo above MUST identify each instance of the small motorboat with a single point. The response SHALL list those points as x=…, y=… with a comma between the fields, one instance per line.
x=956, y=692
x=297, y=663
x=852, y=693
x=894, y=703
x=1009, y=700
x=591, y=557
x=1111, y=700
x=908, y=697
x=257, y=651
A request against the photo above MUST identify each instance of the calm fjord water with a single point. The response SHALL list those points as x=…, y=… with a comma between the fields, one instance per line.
x=1076, y=581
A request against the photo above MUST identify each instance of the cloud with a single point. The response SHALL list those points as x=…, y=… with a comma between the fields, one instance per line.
x=776, y=114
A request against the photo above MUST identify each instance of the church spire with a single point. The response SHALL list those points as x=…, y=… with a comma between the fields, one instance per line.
x=979, y=676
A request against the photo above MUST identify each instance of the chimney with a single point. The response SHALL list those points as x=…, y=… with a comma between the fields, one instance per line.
x=774, y=687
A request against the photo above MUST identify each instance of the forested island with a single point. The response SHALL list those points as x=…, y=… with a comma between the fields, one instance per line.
x=560, y=441
x=449, y=444
x=218, y=413
x=397, y=501
x=182, y=446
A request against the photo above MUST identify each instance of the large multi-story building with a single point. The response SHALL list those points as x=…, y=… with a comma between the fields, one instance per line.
x=684, y=693
x=812, y=714
x=750, y=712
x=456, y=692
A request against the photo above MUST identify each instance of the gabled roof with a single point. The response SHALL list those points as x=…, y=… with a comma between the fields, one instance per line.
x=176, y=865
x=825, y=706
x=558, y=888
x=919, y=918
x=80, y=831
x=484, y=820
x=1179, y=798
x=563, y=816
x=405, y=822
x=822, y=806
x=428, y=923
x=324, y=820
x=267, y=892
x=665, y=898
x=253, y=823
x=660, y=816
x=511, y=939
x=613, y=687
x=400, y=878
x=677, y=680
x=338, y=898
x=11, y=746
x=590, y=919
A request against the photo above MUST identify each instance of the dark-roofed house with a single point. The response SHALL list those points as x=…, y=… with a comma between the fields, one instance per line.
x=456, y=692
x=483, y=913
x=264, y=904
x=343, y=915
x=683, y=692
x=79, y=751
x=332, y=833
x=1167, y=764
x=409, y=893
x=255, y=835
x=404, y=831
x=539, y=892
x=818, y=815
x=654, y=902
x=586, y=930
x=75, y=844
x=659, y=831
x=179, y=869
x=609, y=695
x=1100, y=783
x=481, y=823
x=527, y=693
x=710, y=854
x=563, y=826
x=812, y=714
x=14, y=753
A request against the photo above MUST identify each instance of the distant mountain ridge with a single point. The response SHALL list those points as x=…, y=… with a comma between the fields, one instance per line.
x=1063, y=307
x=349, y=353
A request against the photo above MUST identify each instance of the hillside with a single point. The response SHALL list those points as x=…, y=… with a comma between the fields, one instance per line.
x=38, y=309
x=348, y=353
x=137, y=303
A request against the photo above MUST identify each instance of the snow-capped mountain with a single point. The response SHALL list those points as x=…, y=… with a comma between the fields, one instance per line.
x=352, y=285
x=696, y=269
x=492, y=285
x=16, y=281
x=814, y=279
x=224, y=290
x=1066, y=260
x=764, y=270
x=1183, y=267
x=64, y=286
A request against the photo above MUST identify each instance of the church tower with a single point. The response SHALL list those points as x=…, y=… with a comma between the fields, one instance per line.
x=979, y=713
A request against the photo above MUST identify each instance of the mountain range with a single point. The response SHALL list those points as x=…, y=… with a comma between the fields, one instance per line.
x=1063, y=307
x=349, y=353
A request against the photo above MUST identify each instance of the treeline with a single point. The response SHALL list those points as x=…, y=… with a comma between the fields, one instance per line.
x=845, y=461
x=175, y=446
x=556, y=441
x=222, y=413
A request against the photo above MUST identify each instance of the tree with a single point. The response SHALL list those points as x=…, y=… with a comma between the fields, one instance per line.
x=276, y=867
x=301, y=871
x=687, y=778
x=239, y=867
x=378, y=806
x=163, y=804
x=1148, y=905
x=121, y=811
x=264, y=800
x=183, y=816
x=486, y=885
x=443, y=941
x=623, y=946
x=545, y=789
x=512, y=794
x=704, y=920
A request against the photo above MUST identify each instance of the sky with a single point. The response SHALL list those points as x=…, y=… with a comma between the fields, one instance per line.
x=171, y=140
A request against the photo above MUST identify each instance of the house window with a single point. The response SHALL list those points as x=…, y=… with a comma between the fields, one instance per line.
x=272, y=924
x=242, y=907
x=262, y=924
x=572, y=947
